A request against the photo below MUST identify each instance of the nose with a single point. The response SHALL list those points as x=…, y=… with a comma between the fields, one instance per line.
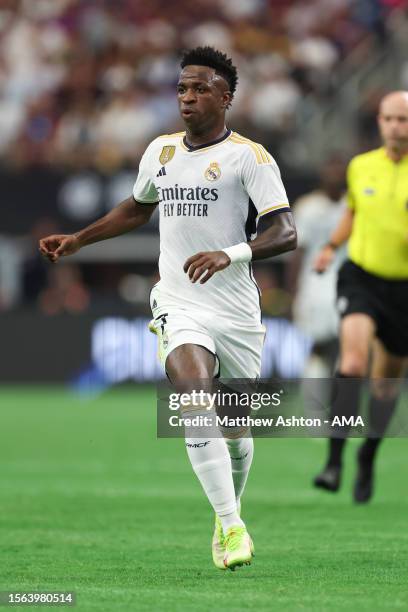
x=394, y=124
x=189, y=97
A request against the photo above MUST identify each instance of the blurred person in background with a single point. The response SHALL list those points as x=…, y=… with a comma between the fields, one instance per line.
x=372, y=292
x=35, y=272
x=65, y=292
x=275, y=300
x=11, y=262
x=314, y=310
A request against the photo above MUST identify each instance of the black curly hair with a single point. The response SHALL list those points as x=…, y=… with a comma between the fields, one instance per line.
x=208, y=56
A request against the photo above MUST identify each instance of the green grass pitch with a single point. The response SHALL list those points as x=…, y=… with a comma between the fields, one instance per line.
x=92, y=502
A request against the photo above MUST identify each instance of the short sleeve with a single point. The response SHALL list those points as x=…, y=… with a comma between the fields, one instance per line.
x=144, y=190
x=351, y=201
x=262, y=181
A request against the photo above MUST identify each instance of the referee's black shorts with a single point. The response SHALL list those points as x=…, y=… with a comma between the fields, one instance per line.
x=385, y=301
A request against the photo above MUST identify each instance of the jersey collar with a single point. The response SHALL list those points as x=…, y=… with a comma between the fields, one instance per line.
x=403, y=159
x=191, y=148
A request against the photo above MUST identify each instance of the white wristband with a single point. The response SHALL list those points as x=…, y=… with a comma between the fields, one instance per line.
x=239, y=252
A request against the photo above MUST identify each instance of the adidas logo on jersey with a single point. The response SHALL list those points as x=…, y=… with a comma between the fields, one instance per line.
x=162, y=172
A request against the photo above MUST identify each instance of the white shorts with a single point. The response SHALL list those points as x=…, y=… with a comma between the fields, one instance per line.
x=236, y=345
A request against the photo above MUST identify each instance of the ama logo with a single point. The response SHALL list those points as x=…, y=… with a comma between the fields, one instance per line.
x=344, y=421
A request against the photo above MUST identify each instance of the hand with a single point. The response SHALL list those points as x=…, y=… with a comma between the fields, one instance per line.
x=208, y=263
x=58, y=245
x=324, y=259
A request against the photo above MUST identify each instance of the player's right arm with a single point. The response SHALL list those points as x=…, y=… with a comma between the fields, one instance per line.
x=129, y=215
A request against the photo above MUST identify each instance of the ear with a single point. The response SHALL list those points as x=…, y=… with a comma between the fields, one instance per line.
x=226, y=99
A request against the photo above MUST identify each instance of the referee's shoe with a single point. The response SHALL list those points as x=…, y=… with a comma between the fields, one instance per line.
x=364, y=483
x=329, y=478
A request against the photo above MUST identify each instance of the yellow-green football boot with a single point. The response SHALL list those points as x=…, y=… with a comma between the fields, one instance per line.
x=239, y=548
x=218, y=545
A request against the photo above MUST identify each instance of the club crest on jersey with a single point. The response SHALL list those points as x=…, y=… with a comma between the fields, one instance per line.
x=213, y=172
x=167, y=154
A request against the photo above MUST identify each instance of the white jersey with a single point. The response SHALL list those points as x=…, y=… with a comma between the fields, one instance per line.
x=210, y=198
x=316, y=215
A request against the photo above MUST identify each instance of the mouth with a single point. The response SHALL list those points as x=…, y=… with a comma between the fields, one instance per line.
x=186, y=112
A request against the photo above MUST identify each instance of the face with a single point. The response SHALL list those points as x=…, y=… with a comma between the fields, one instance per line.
x=333, y=173
x=393, y=121
x=203, y=96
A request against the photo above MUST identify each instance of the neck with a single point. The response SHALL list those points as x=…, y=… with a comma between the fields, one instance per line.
x=396, y=154
x=196, y=137
x=334, y=192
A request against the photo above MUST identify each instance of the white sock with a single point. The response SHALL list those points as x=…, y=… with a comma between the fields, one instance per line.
x=241, y=451
x=231, y=520
x=212, y=464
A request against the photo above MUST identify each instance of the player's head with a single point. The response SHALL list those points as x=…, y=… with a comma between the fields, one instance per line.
x=206, y=87
x=333, y=174
x=393, y=120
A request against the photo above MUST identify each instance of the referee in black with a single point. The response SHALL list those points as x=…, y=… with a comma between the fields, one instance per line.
x=372, y=292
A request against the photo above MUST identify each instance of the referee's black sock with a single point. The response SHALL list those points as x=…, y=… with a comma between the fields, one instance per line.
x=380, y=414
x=345, y=400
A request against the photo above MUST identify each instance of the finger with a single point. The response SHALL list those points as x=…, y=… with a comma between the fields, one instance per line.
x=51, y=257
x=61, y=248
x=195, y=273
x=191, y=260
x=46, y=246
x=51, y=244
x=46, y=254
x=207, y=277
x=193, y=267
x=188, y=262
x=199, y=272
x=190, y=270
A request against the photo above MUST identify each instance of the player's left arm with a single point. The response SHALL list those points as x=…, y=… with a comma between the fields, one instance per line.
x=277, y=234
x=278, y=237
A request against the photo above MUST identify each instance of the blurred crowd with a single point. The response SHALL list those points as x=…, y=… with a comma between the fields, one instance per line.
x=89, y=82
x=85, y=84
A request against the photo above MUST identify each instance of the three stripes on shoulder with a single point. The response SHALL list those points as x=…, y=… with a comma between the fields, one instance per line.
x=262, y=155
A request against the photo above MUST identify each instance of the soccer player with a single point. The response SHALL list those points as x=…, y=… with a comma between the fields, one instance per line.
x=314, y=312
x=372, y=290
x=212, y=187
